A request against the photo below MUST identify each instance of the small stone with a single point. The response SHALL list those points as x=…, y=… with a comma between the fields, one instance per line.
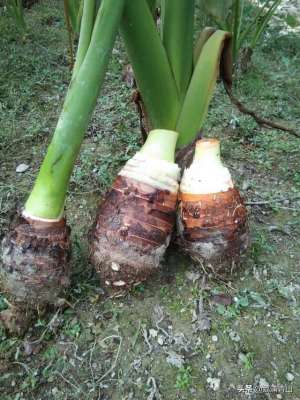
x=119, y=283
x=55, y=391
x=28, y=349
x=214, y=383
x=160, y=340
x=115, y=266
x=153, y=333
x=234, y=336
x=22, y=168
x=214, y=338
x=289, y=377
x=246, y=185
x=175, y=359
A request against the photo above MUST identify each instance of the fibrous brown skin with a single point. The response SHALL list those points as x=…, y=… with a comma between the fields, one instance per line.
x=212, y=228
x=35, y=264
x=132, y=231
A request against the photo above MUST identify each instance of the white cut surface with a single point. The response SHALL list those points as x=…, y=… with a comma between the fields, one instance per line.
x=160, y=174
x=204, y=178
x=26, y=214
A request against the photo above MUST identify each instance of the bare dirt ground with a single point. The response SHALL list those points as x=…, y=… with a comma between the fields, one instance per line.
x=182, y=335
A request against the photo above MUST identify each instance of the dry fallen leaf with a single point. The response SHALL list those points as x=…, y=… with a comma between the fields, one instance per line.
x=224, y=299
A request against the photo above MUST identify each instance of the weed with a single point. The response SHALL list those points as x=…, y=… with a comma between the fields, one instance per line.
x=247, y=360
x=184, y=378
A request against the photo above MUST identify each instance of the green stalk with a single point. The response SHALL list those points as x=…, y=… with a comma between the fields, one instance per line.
x=200, y=91
x=48, y=195
x=150, y=64
x=86, y=29
x=160, y=145
x=178, y=31
x=237, y=23
x=73, y=9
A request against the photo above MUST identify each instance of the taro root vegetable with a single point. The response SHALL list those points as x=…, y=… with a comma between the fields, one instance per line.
x=35, y=269
x=35, y=253
x=136, y=219
x=212, y=219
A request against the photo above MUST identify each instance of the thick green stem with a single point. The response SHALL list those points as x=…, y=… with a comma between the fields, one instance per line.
x=178, y=31
x=160, y=145
x=86, y=29
x=150, y=64
x=48, y=195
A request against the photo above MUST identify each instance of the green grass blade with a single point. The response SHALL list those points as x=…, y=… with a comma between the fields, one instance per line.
x=16, y=11
x=48, y=195
x=150, y=64
x=200, y=91
x=178, y=31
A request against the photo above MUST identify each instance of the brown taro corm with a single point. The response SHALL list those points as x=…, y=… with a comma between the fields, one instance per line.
x=132, y=231
x=213, y=228
x=35, y=268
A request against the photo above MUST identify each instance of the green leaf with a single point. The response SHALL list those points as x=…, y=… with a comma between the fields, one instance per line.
x=205, y=34
x=258, y=299
x=178, y=31
x=214, y=58
x=150, y=64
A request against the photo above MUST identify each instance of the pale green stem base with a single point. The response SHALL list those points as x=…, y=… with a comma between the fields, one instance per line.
x=160, y=145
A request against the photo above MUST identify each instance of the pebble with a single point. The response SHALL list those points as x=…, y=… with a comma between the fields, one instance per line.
x=234, y=336
x=289, y=377
x=22, y=168
x=153, y=333
x=214, y=383
x=160, y=340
